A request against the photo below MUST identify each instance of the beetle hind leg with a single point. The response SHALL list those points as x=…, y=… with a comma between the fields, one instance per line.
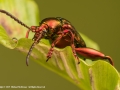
x=73, y=47
x=74, y=53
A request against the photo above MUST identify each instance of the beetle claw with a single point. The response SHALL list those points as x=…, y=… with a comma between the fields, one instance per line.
x=110, y=60
x=78, y=62
x=47, y=59
x=78, y=59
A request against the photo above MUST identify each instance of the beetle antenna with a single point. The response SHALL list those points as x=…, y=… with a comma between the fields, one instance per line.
x=13, y=17
x=30, y=50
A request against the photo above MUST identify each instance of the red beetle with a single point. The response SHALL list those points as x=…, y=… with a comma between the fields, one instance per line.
x=61, y=33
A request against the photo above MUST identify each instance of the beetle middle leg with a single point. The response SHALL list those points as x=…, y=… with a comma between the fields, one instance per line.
x=58, y=41
x=73, y=46
x=69, y=40
x=27, y=33
x=52, y=46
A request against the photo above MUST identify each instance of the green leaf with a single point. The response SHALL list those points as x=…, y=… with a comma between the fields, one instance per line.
x=6, y=40
x=98, y=76
x=104, y=77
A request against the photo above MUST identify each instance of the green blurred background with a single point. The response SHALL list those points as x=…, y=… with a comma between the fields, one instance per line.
x=97, y=19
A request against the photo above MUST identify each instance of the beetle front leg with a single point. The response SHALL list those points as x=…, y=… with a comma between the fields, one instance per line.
x=27, y=33
x=72, y=36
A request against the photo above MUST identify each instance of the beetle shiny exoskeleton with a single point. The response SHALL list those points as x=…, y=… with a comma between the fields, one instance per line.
x=61, y=33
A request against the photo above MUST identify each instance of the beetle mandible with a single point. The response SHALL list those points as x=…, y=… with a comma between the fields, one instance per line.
x=61, y=33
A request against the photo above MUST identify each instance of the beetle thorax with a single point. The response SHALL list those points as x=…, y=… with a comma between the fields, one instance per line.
x=53, y=27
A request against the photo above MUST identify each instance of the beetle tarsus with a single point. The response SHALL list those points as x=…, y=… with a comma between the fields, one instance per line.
x=78, y=59
x=78, y=62
x=110, y=60
x=47, y=59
